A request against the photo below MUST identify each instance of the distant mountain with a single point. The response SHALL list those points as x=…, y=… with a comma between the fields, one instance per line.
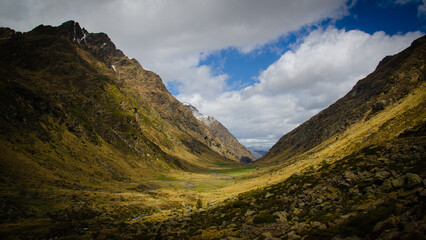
x=258, y=151
x=255, y=154
x=378, y=108
x=220, y=132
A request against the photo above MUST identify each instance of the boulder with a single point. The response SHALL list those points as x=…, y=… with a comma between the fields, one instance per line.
x=318, y=225
x=413, y=180
x=397, y=182
x=249, y=213
x=382, y=175
x=282, y=216
x=293, y=236
x=387, y=185
x=296, y=174
x=350, y=176
x=300, y=227
x=380, y=227
x=268, y=195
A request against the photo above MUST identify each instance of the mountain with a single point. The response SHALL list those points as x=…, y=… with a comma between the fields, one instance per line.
x=220, y=132
x=378, y=108
x=64, y=78
x=78, y=115
x=258, y=151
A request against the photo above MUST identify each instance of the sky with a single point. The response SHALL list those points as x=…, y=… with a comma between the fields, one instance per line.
x=259, y=67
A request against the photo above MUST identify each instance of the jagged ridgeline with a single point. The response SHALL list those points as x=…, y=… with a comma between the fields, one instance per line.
x=75, y=109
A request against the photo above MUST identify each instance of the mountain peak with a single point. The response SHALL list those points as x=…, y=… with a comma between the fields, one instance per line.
x=99, y=44
x=220, y=132
x=203, y=118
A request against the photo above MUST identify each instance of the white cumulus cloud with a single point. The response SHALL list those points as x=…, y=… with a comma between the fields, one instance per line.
x=322, y=68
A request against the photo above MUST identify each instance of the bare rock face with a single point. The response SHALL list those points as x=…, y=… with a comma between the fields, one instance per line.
x=220, y=132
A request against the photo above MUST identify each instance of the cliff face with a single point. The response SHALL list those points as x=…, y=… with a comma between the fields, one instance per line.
x=395, y=78
x=71, y=102
x=220, y=132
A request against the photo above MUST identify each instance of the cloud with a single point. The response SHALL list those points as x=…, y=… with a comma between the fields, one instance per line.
x=322, y=68
x=421, y=10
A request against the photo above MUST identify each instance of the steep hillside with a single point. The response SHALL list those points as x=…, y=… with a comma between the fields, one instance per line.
x=383, y=91
x=220, y=132
x=65, y=81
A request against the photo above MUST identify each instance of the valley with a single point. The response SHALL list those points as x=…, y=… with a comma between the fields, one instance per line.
x=93, y=146
x=40, y=209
